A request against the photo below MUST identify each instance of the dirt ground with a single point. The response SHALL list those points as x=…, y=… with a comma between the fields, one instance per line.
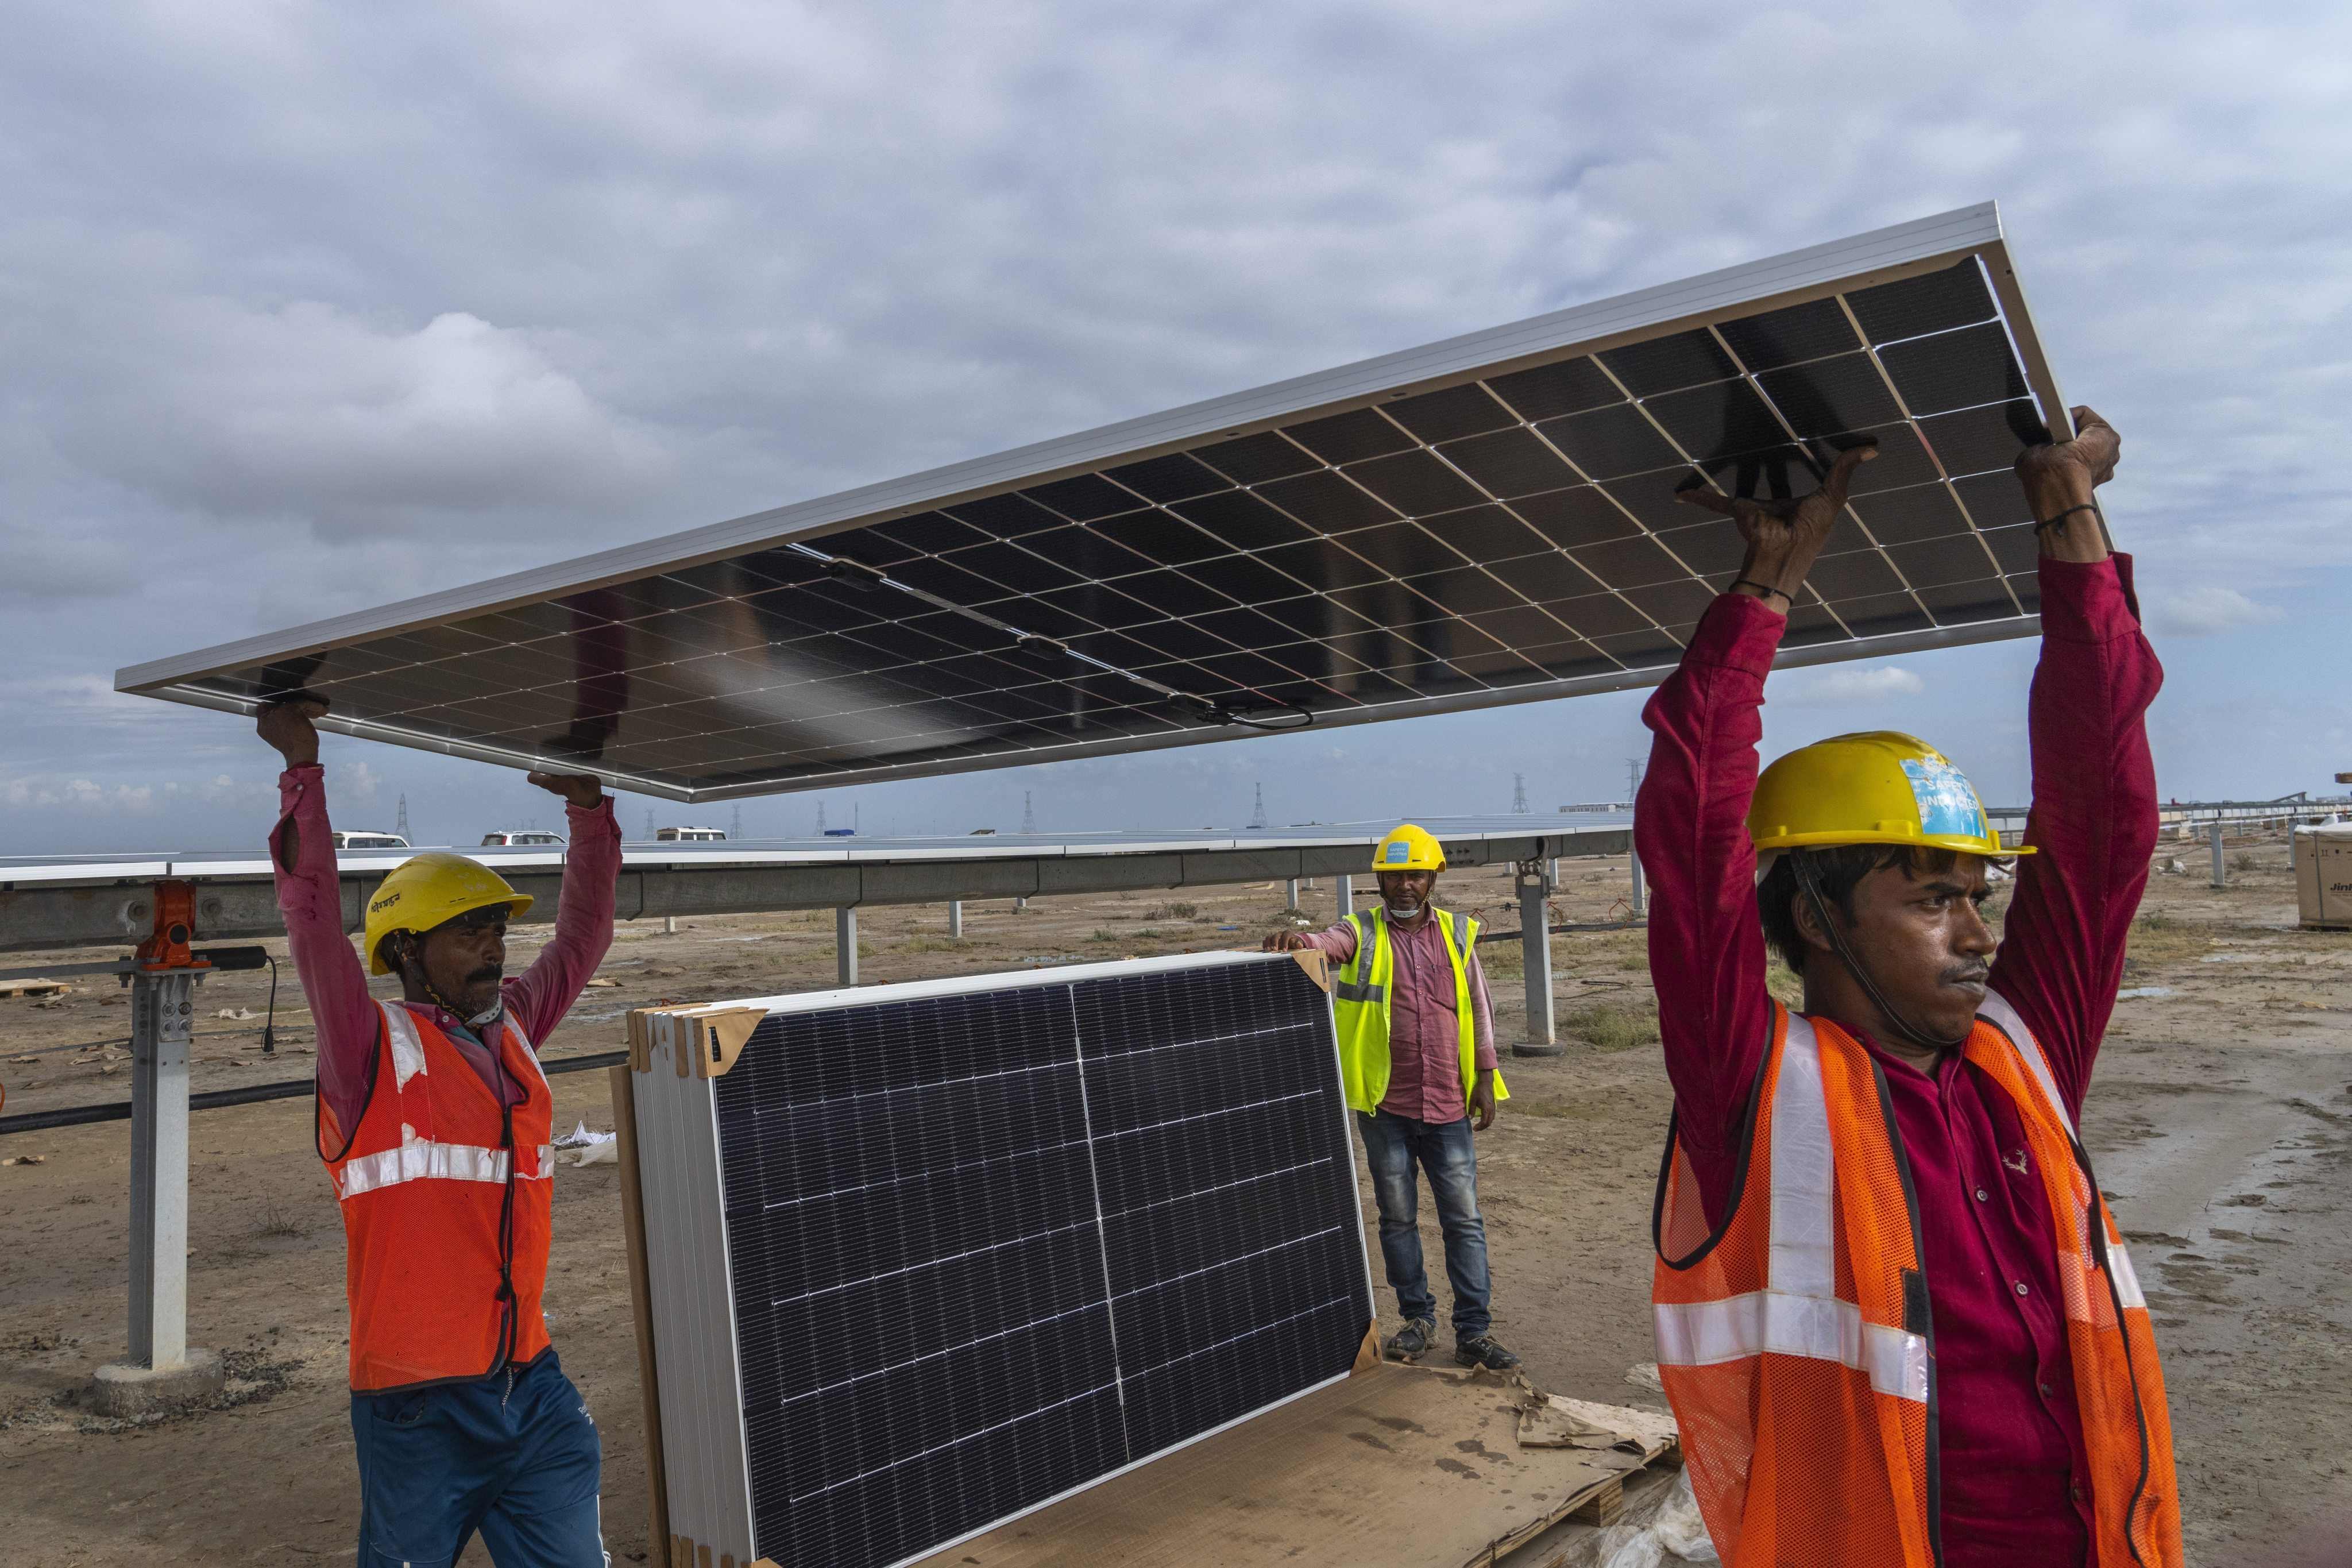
x=2221, y=1120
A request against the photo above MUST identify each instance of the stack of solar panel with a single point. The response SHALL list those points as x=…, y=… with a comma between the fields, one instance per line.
x=924, y=1256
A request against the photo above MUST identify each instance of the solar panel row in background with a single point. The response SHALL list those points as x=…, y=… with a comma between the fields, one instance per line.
x=987, y=1245
x=1505, y=537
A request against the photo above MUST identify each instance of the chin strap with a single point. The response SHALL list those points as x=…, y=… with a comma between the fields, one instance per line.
x=1807, y=880
x=409, y=956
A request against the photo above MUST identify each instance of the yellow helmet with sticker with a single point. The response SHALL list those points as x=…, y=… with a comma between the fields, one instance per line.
x=1883, y=787
x=427, y=891
x=1408, y=848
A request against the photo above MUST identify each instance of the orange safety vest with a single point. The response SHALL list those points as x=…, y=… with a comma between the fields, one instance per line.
x=1795, y=1339
x=446, y=1210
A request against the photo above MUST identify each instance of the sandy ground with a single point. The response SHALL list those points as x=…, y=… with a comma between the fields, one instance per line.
x=2221, y=1120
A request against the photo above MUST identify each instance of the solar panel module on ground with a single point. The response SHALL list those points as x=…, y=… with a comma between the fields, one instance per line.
x=929, y=1255
x=1489, y=519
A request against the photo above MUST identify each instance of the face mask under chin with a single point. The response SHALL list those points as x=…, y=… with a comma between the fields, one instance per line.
x=1405, y=911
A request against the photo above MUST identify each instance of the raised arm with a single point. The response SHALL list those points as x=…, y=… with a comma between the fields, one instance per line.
x=543, y=994
x=1690, y=823
x=311, y=899
x=2093, y=820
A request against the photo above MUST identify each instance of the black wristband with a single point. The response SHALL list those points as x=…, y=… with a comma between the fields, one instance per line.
x=2054, y=521
x=1765, y=588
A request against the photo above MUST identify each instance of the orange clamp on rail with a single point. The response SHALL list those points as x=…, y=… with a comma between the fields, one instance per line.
x=166, y=946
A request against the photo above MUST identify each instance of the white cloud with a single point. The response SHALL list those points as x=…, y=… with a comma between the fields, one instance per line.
x=1851, y=687
x=2203, y=612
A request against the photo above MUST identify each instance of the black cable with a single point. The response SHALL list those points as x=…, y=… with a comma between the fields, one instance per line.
x=270, y=1024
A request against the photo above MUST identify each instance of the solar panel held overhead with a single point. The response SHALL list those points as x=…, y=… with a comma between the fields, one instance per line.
x=1487, y=520
x=923, y=1258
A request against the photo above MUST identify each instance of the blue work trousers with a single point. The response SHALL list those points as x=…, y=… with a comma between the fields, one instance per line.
x=1393, y=1145
x=514, y=1456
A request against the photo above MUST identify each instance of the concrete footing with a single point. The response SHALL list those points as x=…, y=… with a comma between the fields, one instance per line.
x=123, y=1390
x=1538, y=1049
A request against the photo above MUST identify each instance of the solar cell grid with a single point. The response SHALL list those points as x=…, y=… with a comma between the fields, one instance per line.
x=1433, y=512
x=987, y=1242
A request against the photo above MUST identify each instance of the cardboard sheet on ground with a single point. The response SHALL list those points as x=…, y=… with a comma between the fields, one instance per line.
x=1397, y=1467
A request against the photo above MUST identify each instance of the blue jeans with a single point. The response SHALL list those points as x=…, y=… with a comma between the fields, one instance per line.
x=1393, y=1144
x=522, y=1465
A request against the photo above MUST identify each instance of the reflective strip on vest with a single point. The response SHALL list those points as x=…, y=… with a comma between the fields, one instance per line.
x=1708, y=1333
x=1803, y=1259
x=407, y=1051
x=425, y=1160
x=1346, y=992
x=1998, y=1012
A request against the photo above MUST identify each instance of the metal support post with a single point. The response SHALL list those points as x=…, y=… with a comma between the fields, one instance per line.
x=161, y=1006
x=161, y=1372
x=1019, y=903
x=669, y=925
x=2220, y=871
x=844, y=943
x=1535, y=955
x=1346, y=889
x=955, y=918
x=1640, y=900
x=1291, y=898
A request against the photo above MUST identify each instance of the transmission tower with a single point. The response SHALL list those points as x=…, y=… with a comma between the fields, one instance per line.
x=1518, y=795
x=735, y=828
x=401, y=827
x=1632, y=778
x=1257, y=817
x=1028, y=814
x=649, y=825
x=820, y=819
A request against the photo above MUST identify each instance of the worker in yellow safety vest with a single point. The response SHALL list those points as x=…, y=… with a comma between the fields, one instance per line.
x=1417, y=1059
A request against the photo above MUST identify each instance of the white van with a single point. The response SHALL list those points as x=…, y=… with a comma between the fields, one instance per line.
x=363, y=839
x=518, y=836
x=689, y=835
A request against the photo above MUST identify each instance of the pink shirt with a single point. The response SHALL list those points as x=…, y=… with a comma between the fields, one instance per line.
x=1424, y=1028
x=334, y=980
x=2013, y=1466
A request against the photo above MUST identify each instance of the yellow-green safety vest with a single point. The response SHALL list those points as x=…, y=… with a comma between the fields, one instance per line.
x=1359, y=1002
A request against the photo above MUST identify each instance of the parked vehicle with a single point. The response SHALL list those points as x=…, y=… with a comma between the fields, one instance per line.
x=518, y=836
x=689, y=835
x=361, y=839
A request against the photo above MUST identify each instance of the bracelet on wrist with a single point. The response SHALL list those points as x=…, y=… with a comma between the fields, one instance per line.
x=1765, y=590
x=2054, y=521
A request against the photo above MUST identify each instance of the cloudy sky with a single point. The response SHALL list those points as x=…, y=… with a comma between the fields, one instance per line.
x=306, y=307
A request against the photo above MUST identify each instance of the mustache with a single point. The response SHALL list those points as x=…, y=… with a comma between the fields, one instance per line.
x=488, y=972
x=1974, y=973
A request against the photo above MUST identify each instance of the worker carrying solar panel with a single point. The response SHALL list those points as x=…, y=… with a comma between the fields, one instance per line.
x=434, y=1121
x=1895, y=1316
x=1417, y=1057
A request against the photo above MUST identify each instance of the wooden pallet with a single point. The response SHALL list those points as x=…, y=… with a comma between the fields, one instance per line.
x=34, y=988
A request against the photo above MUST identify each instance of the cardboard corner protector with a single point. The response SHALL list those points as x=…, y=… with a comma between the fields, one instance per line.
x=1318, y=966
x=1368, y=1354
x=719, y=1038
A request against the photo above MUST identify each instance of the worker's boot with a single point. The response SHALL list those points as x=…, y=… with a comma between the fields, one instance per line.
x=1414, y=1341
x=1483, y=1351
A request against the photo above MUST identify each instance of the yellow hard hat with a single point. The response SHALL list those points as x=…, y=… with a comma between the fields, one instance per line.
x=1878, y=788
x=1408, y=848
x=426, y=890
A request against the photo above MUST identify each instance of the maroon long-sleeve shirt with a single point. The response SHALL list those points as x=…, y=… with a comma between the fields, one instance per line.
x=334, y=979
x=2015, y=1477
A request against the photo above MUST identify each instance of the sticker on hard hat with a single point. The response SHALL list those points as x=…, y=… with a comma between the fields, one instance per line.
x=1948, y=806
x=1399, y=852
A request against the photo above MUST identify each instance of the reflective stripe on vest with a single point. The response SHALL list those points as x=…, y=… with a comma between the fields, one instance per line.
x=425, y=1160
x=1808, y=1412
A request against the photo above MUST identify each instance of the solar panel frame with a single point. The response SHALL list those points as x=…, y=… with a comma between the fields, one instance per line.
x=749, y=1474
x=1213, y=513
